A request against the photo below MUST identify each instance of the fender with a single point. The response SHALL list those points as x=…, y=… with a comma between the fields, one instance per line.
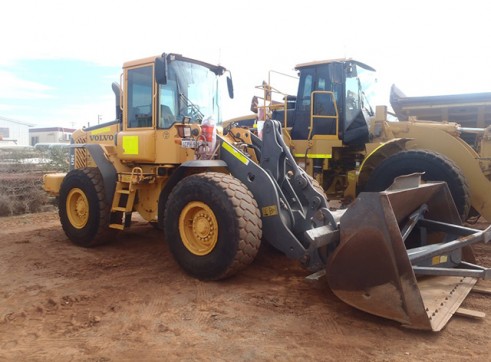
x=373, y=159
x=462, y=154
x=107, y=169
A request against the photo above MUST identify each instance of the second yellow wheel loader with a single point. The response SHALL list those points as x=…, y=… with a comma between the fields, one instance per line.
x=218, y=192
x=338, y=135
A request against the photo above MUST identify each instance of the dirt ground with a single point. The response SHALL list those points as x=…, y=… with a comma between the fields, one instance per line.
x=130, y=301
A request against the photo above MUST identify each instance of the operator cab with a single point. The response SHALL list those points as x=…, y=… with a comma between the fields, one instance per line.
x=186, y=91
x=333, y=101
x=165, y=98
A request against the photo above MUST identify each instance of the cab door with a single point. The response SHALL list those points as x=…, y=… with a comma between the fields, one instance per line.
x=316, y=111
x=137, y=140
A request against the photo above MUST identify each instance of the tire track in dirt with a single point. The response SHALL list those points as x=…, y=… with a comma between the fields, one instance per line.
x=204, y=302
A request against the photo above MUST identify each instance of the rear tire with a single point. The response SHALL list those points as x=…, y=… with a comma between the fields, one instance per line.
x=84, y=212
x=212, y=225
x=436, y=167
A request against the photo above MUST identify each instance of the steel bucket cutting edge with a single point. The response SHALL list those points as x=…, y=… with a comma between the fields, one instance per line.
x=371, y=270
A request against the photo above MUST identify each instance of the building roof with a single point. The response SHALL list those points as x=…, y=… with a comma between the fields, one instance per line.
x=51, y=129
x=16, y=121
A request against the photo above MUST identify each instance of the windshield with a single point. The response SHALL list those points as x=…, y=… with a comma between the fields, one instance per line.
x=191, y=93
x=360, y=91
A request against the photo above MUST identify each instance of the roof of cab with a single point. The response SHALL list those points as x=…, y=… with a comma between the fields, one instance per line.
x=217, y=69
x=337, y=60
x=142, y=61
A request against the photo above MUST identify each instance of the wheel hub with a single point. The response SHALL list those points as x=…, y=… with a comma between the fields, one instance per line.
x=202, y=225
x=81, y=207
x=198, y=228
x=77, y=208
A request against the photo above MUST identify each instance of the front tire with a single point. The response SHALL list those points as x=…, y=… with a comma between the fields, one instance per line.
x=212, y=225
x=436, y=167
x=84, y=212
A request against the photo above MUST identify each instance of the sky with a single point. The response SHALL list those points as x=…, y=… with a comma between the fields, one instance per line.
x=59, y=58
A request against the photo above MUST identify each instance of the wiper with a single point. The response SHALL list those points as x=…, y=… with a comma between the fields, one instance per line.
x=192, y=109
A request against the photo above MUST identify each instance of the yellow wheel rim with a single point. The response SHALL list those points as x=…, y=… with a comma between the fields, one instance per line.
x=198, y=228
x=77, y=208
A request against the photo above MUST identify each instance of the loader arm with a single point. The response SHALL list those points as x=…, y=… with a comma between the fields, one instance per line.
x=288, y=202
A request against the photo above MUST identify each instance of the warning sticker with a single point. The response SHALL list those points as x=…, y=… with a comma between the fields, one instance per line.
x=235, y=153
x=130, y=145
x=269, y=210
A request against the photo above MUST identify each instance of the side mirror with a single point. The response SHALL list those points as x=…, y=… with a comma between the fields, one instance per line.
x=230, y=87
x=161, y=70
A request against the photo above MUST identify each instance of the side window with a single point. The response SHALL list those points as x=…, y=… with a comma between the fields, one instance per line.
x=307, y=90
x=167, y=102
x=140, y=97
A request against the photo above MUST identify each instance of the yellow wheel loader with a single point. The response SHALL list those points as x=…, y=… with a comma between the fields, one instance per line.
x=348, y=145
x=217, y=192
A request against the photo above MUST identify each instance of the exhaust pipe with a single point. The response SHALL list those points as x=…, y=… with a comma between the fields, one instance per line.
x=117, y=93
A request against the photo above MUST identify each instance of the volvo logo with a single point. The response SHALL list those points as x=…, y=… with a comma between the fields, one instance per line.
x=102, y=137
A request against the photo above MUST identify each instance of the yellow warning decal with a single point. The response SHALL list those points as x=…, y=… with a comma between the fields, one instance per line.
x=439, y=259
x=313, y=155
x=235, y=153
x=130, y=145
x=101, y=130
x=269, y=210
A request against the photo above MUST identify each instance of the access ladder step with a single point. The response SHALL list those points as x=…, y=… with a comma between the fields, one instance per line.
x=126, y=192
x=119, y=208
x=117, y=226
x=120, y=203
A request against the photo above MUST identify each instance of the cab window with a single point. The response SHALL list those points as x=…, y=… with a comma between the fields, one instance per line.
x=306, y=91
x=139, y=93
x=168, y=104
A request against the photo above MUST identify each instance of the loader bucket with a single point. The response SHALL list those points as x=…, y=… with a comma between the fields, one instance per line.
x=371, y=267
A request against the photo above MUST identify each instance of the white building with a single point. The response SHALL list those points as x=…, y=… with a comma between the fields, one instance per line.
x=50, y=135
x=14, y=131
